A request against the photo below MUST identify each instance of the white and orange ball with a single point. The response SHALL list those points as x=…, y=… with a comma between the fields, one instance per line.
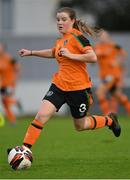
x=20, y=157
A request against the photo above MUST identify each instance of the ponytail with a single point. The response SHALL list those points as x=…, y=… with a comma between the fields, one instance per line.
x=85, y=28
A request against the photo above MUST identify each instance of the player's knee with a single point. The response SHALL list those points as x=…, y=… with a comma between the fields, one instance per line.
x=5, y=101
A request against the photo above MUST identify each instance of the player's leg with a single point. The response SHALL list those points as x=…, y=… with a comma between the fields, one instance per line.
x=122, y=99
x=95, y=122
x=7, y=108
x=103, y=102
x=19, y=106
x=108, y=84
x=46, y=111
x=112, y=99
x=6, y=98
x=51, y=103
x=114, y=104
x=13, y=100
x=79, y=105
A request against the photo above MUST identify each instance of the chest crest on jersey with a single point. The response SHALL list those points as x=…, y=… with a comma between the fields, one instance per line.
x=62, y=46
x=65, y=42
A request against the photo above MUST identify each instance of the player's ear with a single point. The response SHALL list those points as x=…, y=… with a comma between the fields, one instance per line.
x=73, y=21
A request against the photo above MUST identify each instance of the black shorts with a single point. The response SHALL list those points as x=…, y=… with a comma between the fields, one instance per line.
x=6, y=91
x=78, y=101
x=111, y=83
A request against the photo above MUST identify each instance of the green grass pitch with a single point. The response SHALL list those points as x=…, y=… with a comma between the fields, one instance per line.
x=63, y=153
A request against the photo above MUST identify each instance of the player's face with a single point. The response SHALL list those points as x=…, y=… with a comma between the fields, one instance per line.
x=64, y=22
x=105, y=37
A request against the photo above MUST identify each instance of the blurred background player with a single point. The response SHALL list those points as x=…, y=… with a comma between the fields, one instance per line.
x=111, y=68
x=9, y=73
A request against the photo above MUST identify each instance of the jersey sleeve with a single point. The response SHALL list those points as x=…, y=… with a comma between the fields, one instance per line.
x=82, y=43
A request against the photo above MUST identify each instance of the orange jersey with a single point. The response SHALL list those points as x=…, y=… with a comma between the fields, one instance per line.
x=108, y=54
x=72, y=75
x=7, y=71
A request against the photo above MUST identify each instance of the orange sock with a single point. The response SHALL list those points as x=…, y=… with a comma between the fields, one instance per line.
x=99, y=121
x=104, y=106
x=9, y=113
x=125, y=102
x=33, y=133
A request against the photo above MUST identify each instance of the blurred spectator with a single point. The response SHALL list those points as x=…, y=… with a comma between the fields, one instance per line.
x=110, y=59
x=9, y=74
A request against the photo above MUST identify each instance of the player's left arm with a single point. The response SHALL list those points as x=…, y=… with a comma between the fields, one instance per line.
x=89, y=56
x=81, y=43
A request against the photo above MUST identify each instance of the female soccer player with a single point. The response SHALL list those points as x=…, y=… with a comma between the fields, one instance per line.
x=9, y=72
x=110, y=61
x=71, y=84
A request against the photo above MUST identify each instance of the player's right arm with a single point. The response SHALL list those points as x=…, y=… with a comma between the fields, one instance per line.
x=46, y=53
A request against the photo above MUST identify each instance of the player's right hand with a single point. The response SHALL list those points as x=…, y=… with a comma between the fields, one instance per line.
x=24, y=52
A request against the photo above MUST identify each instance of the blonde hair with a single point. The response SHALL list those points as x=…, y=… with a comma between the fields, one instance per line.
x=79, y=24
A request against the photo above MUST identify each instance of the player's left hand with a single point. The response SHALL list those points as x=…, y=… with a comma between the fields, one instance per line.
x=65, y=52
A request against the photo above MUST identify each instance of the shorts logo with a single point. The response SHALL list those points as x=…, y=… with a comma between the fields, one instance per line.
x=49, y=93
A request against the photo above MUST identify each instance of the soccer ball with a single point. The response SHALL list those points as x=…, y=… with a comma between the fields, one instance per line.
x=20, y=157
